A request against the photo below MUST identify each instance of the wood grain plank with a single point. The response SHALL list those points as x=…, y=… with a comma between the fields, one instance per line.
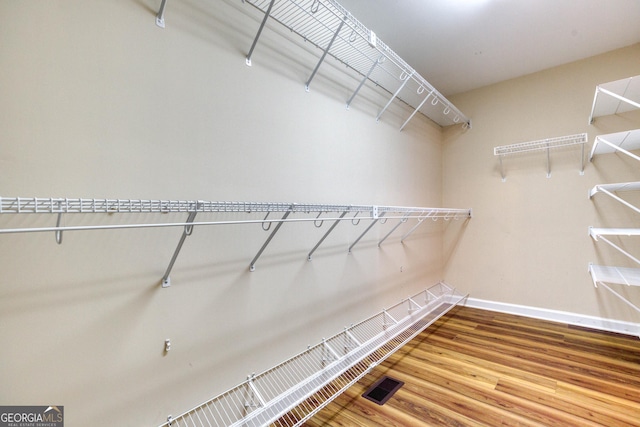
x=475, y=367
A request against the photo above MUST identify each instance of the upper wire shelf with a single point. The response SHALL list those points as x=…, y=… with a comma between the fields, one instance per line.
x=331, y=28
x=619, y=96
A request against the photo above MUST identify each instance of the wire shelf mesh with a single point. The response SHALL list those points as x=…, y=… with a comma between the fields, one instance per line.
x=291, y=392
x=541, y=144
x=317, y=21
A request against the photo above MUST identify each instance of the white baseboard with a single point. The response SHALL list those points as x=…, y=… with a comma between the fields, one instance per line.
x=592, y=322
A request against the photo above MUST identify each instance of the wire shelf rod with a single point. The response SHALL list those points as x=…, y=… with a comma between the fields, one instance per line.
x=442, y=215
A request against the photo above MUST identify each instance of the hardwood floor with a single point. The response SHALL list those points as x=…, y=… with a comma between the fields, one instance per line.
x=482, y=368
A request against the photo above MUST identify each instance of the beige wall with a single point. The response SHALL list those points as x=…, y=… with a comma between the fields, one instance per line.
x=99, y=102
x=528, y=242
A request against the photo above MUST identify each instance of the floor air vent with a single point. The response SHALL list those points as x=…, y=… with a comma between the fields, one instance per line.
x=382, y=390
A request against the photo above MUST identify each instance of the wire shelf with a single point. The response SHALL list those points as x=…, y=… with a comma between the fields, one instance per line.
x=616, y=97
x=541, y=145
x=293, y=391
x=331, y=28
x=321, y=213
x=623, y=142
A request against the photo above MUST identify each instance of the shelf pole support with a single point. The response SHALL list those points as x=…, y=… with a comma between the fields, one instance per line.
x=367, y=230
x=188, y=229
x=255, y=40
x=160, y=15
x=402, y=221
x=324, y=54
x=416, y=110
x=504, y=178
x=394, y=95
x=408, y=233
x=548, y=163
x=252, y=265
x=335, y=223
x=373, y=66
x=620, y=199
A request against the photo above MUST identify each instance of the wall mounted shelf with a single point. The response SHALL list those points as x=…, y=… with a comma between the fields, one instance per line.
x=316, y=213
x=600, y=233
x=616, y=97
x=544, y=145
x=337, y=33
x=611, y=190
x=289, y=394
x=623, y=142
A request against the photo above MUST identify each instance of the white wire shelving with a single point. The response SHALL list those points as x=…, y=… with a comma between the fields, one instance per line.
x=616, y=97
x=623, y=142
x=544, y=145
x=287, y=212
x=337, y=33
x=611, y=190
x=292, y=392
x=603, y=234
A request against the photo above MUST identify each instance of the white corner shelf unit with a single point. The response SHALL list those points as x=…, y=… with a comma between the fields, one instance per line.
x=544, y=145
x=623, y=142
x=616, y=97
x=292, y=392
x=337, y=33
x=287, y=212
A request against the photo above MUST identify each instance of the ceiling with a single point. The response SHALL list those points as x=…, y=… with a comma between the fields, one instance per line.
x=459, y=45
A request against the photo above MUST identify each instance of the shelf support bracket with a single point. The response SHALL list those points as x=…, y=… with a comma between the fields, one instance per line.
x=408, y=233
x=252, y=265
x=335, y=223
x=324, y=54
x=416, y=110
x=548, y=163
x=160, y=15
x=188, y=229
x=612, y=94
x=620, y=199
x=504, y=178
x=255, y=40
x=395, y=95
x=395, y=227
x=367, y=230
x=377, y=62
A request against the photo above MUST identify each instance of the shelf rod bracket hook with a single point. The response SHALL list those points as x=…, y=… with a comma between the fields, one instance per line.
x=59, y=231
x=252, y=265
x=395, y=95
x=324, y=54
x=367, y=230
x=255, y=40
x=335, y=223
x=188, y=229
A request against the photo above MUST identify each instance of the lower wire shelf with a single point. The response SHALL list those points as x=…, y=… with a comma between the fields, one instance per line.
x=292, y=392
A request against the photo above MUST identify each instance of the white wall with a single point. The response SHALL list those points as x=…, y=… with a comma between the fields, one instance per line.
x=96, y=101
x=528, y=242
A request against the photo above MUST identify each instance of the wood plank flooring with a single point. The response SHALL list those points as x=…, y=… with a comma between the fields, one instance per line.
x=481, y=368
